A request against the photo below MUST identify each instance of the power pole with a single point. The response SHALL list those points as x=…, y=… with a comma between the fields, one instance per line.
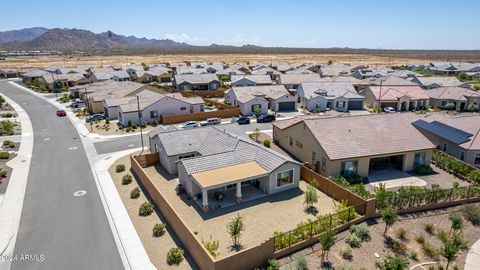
x=140, y=121
x=380, y=95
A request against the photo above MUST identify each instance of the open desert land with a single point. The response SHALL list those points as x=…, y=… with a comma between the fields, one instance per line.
x=384, y=59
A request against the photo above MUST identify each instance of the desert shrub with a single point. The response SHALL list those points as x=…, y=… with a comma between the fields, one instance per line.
x=211, y=246
x=442, y=235
x=346, y=252
x=266, y=143
x=145, y=209
x=175, y=256
x=3, y=173
x=158, y=229
x=143, y=124
x=134, y=126
x=8, y=115
x=273, y=264
x=129, y=123
x=362, y=232
x=423, y=169
x=344, y=267
x=154, y=123
x=413, y=255
x=399, y=248
x=476, y=86
x=120, y=168
x=6, y=127
x=420, y=239
x=127, y=179
x=429, y=250
x=9, y=144
x=301, y=263
x=4, y=155
x=429, y=228
x=353, y=241
x=402, y=234
x=472, y=213
x=392, y=262
x=135, y=193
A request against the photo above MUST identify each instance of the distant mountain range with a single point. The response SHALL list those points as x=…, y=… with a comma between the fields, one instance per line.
x=78, y=40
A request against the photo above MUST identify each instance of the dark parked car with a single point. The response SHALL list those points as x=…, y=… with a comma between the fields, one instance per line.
x=61, y=113
x=243, y=120
x=266, y=118
x=94, y=117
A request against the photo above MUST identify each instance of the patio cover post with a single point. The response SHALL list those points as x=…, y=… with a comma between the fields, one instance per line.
x=205, y=200
x=238, y=194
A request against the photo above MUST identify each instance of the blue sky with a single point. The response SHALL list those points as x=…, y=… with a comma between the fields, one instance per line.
x=408, y=24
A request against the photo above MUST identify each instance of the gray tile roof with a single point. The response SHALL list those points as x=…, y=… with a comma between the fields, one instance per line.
x=454, y=93
x=246, y=93
x=298, y=78
x=196, y=78
x=329, y=89
x=258, y=79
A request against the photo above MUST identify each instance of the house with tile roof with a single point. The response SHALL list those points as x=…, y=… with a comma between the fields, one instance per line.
x=250, y=80
x=215, y=164
x=458, y=136
x=354, y=145
x=8, y=73
x=196, y=82
x=259, y=99
x=458, y=98
x=435, y=82
x=400, y=97
x=292, y=81
x=323, y=96
x=65, y=80
x=152, y=106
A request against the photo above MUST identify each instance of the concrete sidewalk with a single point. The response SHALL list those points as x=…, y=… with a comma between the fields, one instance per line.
x=473, y=257
x=12, y=203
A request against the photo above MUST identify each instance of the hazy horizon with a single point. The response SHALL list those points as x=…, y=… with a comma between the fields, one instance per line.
x=408, y=24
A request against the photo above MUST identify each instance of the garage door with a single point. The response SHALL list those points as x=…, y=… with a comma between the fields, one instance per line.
x=286, y=106
x=355, y=105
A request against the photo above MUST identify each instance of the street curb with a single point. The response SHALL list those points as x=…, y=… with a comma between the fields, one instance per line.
x=126, y=234
x=12, y=203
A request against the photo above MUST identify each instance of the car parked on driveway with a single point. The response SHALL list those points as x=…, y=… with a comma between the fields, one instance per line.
x=389, y=109
x=266, y=118
x=77, y=104
x=61, y=113
x=94, y=117
x=243, y=120
x=188, y=125
x=210, y=122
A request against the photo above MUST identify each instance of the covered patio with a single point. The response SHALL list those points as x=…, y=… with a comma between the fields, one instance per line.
x=230, y=185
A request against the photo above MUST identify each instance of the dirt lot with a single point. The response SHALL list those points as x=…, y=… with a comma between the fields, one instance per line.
x=112, y=128
x=67, y=61
x=364, y=258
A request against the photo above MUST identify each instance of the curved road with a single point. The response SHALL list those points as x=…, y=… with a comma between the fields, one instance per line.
x=71, y=232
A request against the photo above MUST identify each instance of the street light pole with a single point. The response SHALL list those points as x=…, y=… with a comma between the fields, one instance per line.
x=140, y=121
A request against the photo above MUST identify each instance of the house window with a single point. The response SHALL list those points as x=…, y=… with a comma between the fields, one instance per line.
x=256, y=107
x=291, y=141
x=444, y=103
x=340, y=104
x=299, y=144
x=284, y=178
x=444, y=147
x=191, y=108
x=476, y=161
x=462, y=155
x=183, y=108
x=349, y=167
x=314, y=157
x=154, y=114
x=156, y=148
x=419, y=159
x=324, y=165
x=119, y=115
x=202, y=108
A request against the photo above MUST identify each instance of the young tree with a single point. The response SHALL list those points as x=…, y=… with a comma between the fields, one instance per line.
x=389, y=216
x=310, y=196
x=235, y=228
x=327, y=240
x=457, y=222
x=462, y=76
x=451, y=248
x=255, y=134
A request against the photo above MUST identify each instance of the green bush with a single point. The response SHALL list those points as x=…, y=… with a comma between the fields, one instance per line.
x=266, y=143
x=212, y=246
x=143, y=124
x=175, y=256
x=420, y=239
x=402, y=234
x=362, y=232
x=301, y=263
x=358, y=189
x=273, y=264
x=154, y=123
x=430, y=251
x=9, y=144
x=120, y=168
x=129, y=123
x=158, y=229
x=393, y=263
x=472, y=213
x=413, y=255
x=429, y=228
x=4, y=155
x=107, y=121
x=3, y=173
x=346, y=252
x=399, y=248
x=423, y=169
x=354, y=179
x=135, y=193
x=6, y=127
x=353, y=241
x=474, y=176
x=127, y=179
x=8, y=115
x=145, y=209
x=476, y=86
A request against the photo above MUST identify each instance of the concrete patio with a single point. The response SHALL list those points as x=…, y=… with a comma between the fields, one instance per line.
x=393, y=178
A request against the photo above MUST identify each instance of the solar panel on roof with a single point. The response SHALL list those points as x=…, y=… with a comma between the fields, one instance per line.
x=445, y=131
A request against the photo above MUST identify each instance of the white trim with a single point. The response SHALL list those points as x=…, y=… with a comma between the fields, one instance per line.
x=276, y=178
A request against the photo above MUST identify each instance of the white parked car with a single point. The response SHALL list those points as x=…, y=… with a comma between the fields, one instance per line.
x=389, y=109
x=189, y=125
x=210, y=121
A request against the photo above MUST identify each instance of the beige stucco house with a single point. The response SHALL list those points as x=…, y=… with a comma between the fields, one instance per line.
x=349, y=145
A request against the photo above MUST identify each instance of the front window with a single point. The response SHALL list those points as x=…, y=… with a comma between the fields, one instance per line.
x=154, y=114
x=419, y=159
x=476, y=162
x=349, y=167
x=291, y=141
x=183, y=108
x=202, y=108
x=462, y=155
x=256, y=107
x=299, y=144
x=324, y=164
x=191, y=108
x=445, y=147
x=314, y=157
x=284, y=178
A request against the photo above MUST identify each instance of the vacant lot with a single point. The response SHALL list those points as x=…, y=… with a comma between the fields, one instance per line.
x=74, y=60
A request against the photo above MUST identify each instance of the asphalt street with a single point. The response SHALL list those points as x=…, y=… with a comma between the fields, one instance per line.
x=129, y=142
x=63, y=219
